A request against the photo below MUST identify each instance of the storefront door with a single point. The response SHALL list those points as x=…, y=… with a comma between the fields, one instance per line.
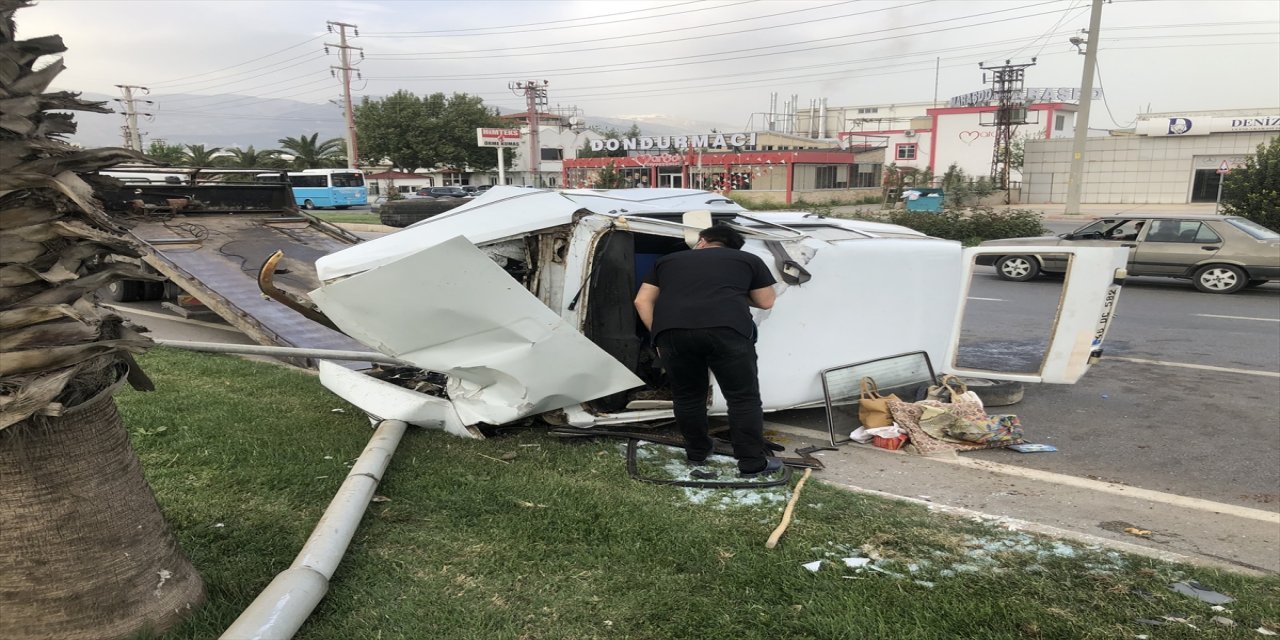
x=1204, y=188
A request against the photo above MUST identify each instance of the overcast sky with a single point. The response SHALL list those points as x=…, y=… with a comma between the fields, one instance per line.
x=708, y=60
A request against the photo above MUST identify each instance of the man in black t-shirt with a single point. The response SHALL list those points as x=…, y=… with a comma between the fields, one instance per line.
x=696, y=305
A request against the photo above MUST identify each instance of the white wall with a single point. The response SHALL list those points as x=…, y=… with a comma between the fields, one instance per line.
x=1131, y=169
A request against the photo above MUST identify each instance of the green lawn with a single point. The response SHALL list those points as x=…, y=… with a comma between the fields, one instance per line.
x=347, y=216
x=560, y=543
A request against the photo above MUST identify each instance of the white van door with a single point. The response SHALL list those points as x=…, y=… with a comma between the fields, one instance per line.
x=1085, y=308
x=449, y=308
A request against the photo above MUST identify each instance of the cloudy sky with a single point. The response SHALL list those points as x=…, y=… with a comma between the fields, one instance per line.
x=709, y=60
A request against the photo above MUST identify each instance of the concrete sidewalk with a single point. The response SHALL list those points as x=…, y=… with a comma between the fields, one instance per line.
x=1057, y=212
x=1183, y=529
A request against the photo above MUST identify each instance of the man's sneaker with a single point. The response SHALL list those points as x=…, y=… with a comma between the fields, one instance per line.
x=771, y=466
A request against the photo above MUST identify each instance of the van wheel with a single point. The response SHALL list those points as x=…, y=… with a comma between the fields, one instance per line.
x=1017, y=268
x=1220, y=278
x=995, y=393
x=307, y=204
x=125, y=291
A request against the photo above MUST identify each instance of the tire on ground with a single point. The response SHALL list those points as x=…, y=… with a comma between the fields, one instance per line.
x=1219, y=278
x=1017, y=268
x=402, y=213
x=996, y=393
x=125, y=291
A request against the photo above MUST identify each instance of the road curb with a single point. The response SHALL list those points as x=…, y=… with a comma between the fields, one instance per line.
x=370, y=228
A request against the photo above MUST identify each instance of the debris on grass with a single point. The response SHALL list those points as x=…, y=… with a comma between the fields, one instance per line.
x=813, y=566
x=1226, y=622
x=1200, y=592
x=669, y=463
x=379, y=498
x=1265, y=631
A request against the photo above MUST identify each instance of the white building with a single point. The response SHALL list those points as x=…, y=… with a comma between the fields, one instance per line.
x=1167, y=158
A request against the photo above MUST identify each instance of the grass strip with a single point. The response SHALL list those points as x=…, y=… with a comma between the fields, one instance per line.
x=532, y=536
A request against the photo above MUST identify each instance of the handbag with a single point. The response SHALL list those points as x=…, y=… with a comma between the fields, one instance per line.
x=873, y=408
x=953, y=390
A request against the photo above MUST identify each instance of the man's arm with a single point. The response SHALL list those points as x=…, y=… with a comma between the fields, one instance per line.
x=646, y=298
x=761, y=298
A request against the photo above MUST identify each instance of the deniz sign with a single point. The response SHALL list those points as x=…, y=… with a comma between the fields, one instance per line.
x=1201, y=126
x=705, y=140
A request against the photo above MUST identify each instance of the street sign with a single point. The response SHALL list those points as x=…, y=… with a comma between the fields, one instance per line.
x=498, y=137
x=1224, y=167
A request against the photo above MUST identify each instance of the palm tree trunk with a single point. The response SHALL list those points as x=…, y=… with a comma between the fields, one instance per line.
x=85, y=550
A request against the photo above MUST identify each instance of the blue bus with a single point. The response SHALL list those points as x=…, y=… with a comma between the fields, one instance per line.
x=315, y=188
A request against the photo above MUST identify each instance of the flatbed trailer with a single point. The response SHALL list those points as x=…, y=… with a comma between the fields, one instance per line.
x=209, y=240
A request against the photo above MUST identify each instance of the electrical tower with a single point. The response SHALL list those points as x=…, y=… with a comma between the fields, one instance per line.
x=344, y=58
x=535, y=96
x=1011, y=111
x=132, y=137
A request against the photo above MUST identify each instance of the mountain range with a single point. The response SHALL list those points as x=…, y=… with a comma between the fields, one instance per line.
x=239, y=121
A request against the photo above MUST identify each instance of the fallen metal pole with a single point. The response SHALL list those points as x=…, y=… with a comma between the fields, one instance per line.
x=281, y=609
x=290, y=352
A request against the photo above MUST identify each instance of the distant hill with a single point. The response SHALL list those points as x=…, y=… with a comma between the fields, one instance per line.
x=198, y=119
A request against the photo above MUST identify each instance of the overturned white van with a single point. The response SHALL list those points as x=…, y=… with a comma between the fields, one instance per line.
x=518, y=304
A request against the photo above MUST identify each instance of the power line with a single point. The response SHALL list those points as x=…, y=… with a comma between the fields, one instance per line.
x=240, y=64
x=1097, y=67
x=897, y=71
x=225, y=80
x=652, y=64
x=507, y=52
x=269, y=84
x=446, y=32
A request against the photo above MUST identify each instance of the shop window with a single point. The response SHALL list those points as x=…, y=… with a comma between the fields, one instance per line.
x=1059, y=121
x=906, y=151
x=868, y=176
x=552, y=154
x=869, y=110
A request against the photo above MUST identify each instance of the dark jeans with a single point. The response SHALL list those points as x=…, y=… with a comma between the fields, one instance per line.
x=687, y=354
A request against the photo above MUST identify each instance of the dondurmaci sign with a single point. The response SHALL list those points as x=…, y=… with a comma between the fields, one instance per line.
x=699, y=141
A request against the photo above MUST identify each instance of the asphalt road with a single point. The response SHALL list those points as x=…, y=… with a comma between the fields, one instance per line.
x=1144, y=418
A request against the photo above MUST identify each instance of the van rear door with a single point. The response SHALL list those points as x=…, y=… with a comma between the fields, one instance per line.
x=991, y=341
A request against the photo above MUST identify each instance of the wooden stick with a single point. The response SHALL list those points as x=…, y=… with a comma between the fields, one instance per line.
x=786, y=513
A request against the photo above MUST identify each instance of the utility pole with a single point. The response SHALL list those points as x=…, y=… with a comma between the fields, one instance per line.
x=1082, y=115
x=535, y=96
x=133, y=137
x=344, y=57
x=1011, y=111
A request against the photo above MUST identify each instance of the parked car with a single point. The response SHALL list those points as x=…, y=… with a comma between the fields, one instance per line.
x=1219, y=254
x=444, y=192
x=471, y=191
x=376, y=202
x=483, y=188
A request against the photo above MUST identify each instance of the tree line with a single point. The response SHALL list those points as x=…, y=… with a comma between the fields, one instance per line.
x=306, y=152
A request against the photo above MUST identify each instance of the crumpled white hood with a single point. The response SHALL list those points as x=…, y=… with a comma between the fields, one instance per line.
x=449, y=308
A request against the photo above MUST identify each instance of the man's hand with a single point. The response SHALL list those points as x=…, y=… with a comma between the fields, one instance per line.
x=646, y=298
x=762, y=298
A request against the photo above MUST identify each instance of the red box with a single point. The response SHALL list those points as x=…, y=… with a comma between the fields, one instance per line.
x=893, y=444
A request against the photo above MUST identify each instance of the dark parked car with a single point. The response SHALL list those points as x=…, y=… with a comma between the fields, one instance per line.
x=1219, y=254
x=444, y=192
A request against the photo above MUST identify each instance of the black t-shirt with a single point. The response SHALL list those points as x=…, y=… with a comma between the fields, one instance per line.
x=705, y=288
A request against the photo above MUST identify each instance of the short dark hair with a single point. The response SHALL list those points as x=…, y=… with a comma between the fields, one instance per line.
x=721, y=233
